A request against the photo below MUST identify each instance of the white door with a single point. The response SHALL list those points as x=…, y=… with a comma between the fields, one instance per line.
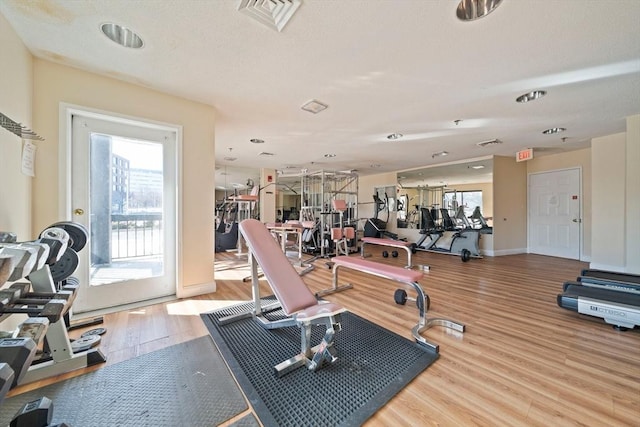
x=123, y=190
x=554, y=213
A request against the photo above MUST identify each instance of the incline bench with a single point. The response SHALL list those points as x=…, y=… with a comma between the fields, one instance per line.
x=293, y=296
x=399, y=274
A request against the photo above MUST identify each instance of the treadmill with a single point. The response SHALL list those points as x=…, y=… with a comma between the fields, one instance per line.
x=610, y=280
x=597, y=293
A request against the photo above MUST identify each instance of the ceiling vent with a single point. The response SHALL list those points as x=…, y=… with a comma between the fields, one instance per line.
x=273, y=13
x=264, y=153
x=489, y=142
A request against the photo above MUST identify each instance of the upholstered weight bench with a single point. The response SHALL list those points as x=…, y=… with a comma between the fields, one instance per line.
x=402, y=275
x=295, y=299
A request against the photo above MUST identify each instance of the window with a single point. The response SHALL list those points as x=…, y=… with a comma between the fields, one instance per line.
x=468, y=199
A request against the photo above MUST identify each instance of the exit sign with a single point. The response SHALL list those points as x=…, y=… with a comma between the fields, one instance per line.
x=523, y=155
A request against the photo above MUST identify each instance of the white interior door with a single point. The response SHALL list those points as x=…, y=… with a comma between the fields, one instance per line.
x=123, y=190
x=554, y=213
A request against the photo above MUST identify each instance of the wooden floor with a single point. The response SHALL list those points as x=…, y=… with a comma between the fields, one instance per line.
x=522, y=360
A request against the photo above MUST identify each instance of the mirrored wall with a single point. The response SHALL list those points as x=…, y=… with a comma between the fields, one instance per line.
x=458, y=194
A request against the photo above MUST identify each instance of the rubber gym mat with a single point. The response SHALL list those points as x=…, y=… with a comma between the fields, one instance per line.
x=187, y=384
x=247, y=421
x=373, y=365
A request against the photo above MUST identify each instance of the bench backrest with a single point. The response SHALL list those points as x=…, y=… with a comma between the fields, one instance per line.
x=287, y=285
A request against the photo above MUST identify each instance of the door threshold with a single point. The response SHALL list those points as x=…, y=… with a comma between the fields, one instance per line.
x=88, y=315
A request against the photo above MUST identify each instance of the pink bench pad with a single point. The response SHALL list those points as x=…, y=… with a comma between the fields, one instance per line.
x=287, y=285
x=399, y=274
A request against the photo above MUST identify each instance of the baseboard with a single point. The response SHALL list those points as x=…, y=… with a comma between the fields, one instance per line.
x=195, y=290
x=502, y=252
x=607, y=267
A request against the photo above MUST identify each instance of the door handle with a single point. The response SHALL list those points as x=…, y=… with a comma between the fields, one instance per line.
x=79, y=211
x=578, y=220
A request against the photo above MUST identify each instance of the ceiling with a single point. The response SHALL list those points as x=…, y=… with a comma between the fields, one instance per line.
x=382, y=67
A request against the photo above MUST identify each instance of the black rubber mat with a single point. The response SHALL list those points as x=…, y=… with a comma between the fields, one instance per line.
x=247, y=421
x=186, y=384
x=373, y=365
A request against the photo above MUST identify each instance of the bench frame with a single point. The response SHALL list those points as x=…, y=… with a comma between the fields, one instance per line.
x=295, y=299
x=373, y=268
x=409, y=247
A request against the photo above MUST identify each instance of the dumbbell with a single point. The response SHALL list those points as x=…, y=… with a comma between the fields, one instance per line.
x=400, y=297
x=394, y=254
x=6, y=379
x=36, y=413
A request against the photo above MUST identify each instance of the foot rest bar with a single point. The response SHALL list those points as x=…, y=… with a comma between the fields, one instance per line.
x=235, y=317
x=417, y=331
x=402, y=275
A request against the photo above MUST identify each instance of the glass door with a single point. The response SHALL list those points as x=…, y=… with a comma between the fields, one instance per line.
x=123, y=184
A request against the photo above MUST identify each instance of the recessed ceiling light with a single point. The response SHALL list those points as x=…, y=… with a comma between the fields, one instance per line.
x=230, y=159
x=256, y=141
x=469, y=10
x=314, y=106
x=477, y=167
x=122, y=35
x=531, y=96
x=329, y=155
x=394, y=136
x=553, y=130
x=439, y=154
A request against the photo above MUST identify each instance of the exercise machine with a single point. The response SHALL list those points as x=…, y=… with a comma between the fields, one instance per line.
x=296, y=300
x=612, y=296
x=376, y=227
x=463, y=242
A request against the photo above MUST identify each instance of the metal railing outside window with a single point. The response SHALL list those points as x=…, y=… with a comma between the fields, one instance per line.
x=136, y=235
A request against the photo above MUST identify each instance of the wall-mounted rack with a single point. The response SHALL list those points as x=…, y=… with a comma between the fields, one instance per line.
x=18, y=129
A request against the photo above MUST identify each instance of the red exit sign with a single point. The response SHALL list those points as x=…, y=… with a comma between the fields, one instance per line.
x=523, y=155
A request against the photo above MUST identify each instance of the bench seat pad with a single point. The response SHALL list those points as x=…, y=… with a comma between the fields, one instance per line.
x=393, y=272
x=387, y=242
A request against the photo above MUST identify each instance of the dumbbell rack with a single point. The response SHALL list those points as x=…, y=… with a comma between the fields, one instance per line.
x=63, y=359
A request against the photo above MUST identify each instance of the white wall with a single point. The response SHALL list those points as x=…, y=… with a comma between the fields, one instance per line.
x=608, y=216
x=632, y=196
x=55, y=84
x=16, y=86
x=268, y=178
x=509, y=206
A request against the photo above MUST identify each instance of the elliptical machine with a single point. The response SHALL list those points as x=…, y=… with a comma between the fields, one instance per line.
x=375, y=227
x=462, y=242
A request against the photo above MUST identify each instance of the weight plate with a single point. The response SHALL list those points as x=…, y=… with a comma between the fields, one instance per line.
x=85, y=343
x=96, y=331
x=77, y=233
x=65, y=266
x=57, y=233
x=73, y=281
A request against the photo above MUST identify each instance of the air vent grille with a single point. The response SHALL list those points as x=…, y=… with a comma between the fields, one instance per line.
x=489, y=142
x=273, y=13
